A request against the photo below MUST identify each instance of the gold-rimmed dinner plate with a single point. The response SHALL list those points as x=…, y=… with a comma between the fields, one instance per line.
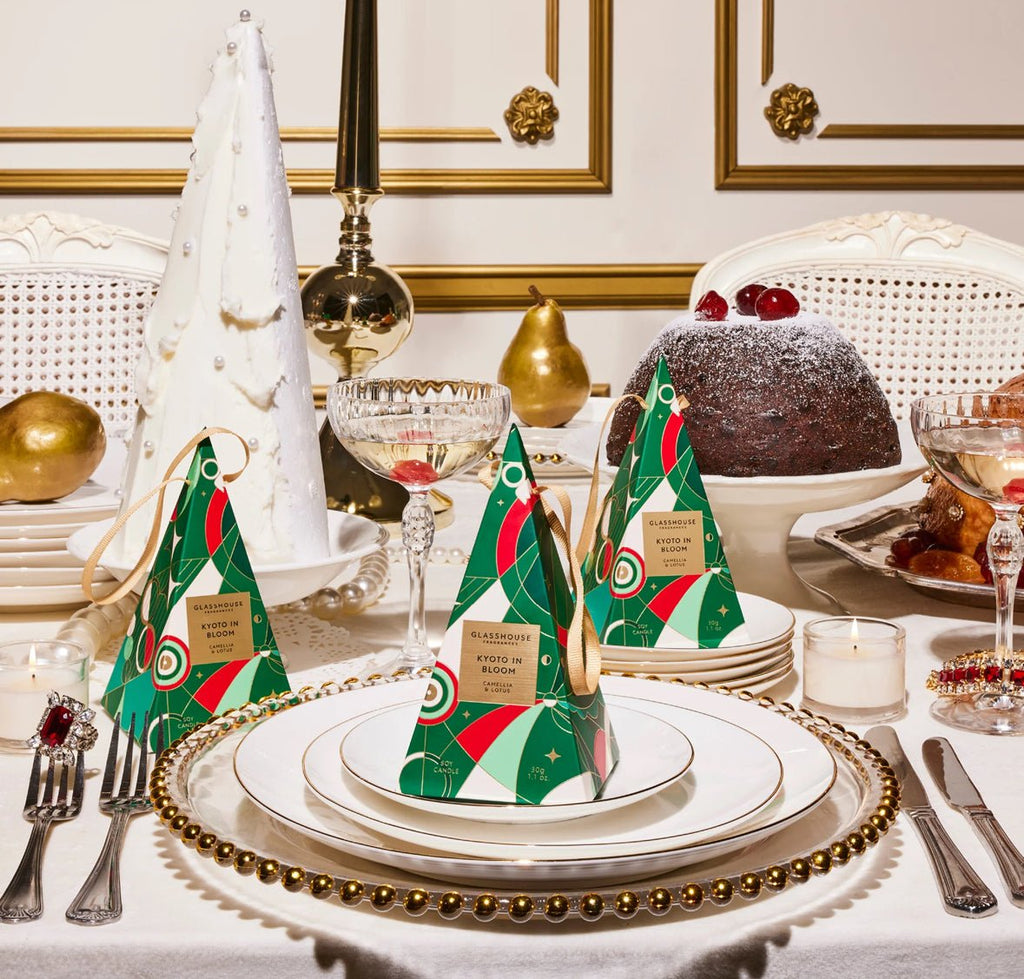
x=698, y=672
x=766, y=624
x=278, y=788
x=50, y=596
x=89, y=502
x=695, y=661
x=653, y=755
x=689, y=811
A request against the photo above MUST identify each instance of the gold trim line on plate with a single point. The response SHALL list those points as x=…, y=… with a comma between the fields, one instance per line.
x=731, y=175
x=594, y=178
x=182, y=134
x=170, y=802
x=841, y=130
x=477, y=288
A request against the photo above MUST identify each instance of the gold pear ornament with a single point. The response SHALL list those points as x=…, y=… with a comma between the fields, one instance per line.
x=50, y=444
x=546, y=374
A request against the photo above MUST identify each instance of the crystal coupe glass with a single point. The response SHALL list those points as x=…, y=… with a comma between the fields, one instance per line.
x=416, y=432
x=977, y=442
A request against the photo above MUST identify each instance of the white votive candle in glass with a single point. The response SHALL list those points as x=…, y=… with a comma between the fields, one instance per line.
x=855, y=668
x=29, y=670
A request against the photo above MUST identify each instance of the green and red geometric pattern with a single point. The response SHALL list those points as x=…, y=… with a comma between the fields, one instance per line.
x=201, y=554
x=658, y=474
x=559, y=747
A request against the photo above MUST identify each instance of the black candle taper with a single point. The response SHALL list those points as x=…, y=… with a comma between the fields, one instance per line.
x=358, y=160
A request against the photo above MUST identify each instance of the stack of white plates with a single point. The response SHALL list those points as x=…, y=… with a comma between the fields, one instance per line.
x=699, y=775
x=754, y=657
x=36, y=570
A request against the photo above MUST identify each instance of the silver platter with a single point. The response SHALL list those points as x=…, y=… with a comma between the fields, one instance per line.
x=865, y=540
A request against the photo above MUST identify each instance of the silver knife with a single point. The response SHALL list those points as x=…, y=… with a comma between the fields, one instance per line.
x=963, y=892
x=955, y=784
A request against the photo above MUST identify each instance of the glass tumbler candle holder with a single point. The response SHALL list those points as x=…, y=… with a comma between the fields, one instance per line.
x=855, y=668
x=29, y=670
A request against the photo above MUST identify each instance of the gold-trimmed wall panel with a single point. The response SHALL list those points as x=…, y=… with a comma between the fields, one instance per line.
x=127, y=182
x=730, y=174
x=841, y=130
x=475, y=288
x=181, y=134
x=595, y=178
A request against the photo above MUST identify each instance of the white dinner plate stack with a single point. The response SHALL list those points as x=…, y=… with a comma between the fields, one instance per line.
x=754, y=657
x=699, y=775
x=36, y=570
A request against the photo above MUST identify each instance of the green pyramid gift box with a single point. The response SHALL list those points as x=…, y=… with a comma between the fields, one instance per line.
x=200, y=641
x=500, y=721
x=656, y=573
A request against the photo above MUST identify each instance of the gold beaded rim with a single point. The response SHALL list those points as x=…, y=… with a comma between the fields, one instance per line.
x=168, y=796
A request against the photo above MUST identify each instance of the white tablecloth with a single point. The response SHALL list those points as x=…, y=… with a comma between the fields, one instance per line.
x=880, y=915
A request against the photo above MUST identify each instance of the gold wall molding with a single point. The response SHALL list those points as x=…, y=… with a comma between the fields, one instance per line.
x=181, y=134
x=839, y=130
x=730, y=174
x=475, y=288
x=767, y=40
x=551, y=41
x=595, y=177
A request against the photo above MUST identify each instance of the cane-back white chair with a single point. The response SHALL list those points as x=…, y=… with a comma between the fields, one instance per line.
x=74, y=294
x=932, y=306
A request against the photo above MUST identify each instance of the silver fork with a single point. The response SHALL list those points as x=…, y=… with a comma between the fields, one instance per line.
x=99, y=900
x=23, y=899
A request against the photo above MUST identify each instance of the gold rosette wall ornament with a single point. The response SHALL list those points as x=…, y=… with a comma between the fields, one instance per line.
x=792, y=111
x=531, y=116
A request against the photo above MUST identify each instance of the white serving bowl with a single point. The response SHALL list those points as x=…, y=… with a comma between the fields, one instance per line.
x=350, y=538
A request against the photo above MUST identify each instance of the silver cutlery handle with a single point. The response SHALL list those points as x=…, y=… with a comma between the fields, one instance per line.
x=963, y=891
x=99, y=900
x=23, y=899
x=1007, y=857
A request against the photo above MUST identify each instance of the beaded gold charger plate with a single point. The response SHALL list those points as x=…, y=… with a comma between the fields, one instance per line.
x=206, y=809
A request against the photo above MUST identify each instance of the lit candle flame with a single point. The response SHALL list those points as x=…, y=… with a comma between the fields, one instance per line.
x=32, y=660
x=854, y=635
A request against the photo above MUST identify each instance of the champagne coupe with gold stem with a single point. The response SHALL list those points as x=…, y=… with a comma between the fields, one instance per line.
x=416, y=432
x=976, y=441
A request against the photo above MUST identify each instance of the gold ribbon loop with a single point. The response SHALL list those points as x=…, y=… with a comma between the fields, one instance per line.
x=153, y=541
x=582, y=650
x=582, y=653
x=487, y=472
x=589, y=528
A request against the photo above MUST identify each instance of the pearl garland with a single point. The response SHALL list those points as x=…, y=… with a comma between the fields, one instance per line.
x=438, y=555
x=365, y=589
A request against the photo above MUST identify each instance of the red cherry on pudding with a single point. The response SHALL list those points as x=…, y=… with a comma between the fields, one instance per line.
x=776, y=304
x=747, y=297
x=711, y=307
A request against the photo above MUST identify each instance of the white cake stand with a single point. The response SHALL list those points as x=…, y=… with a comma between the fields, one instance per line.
x=755, y=515
x=350, y=538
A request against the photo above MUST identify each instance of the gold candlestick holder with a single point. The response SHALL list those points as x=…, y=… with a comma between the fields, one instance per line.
x=357, y=312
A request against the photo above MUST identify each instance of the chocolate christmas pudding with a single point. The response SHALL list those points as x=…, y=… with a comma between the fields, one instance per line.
x=772, y=391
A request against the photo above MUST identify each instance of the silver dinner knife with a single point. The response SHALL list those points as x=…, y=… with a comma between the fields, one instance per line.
x=956, y=785
x=963, y=892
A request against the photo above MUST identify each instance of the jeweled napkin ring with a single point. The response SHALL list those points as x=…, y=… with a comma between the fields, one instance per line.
x=978, y=672
x=64, y=729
